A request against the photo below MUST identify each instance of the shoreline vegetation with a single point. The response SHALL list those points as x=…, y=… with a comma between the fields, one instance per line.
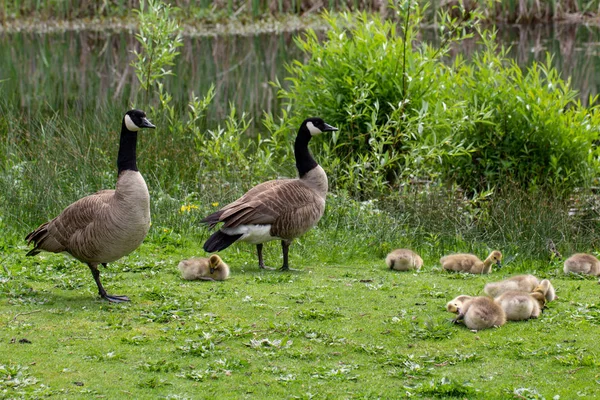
x=245, y=17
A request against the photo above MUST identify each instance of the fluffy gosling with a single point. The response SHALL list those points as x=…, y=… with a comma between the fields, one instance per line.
x=546, y=288
x=523, y=283
x=403, y=260
x=454, y=305
x=519, y=306
x=205, y=269
x=471, y=263
x=480, y=313
x=582, y=263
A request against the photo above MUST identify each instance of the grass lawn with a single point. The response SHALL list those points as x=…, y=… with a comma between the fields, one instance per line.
x=345, y=327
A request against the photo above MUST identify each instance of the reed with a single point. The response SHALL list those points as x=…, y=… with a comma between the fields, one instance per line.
x=520, y=11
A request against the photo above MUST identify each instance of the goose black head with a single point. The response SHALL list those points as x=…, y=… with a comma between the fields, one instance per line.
x=135, y=120
x=316, y=126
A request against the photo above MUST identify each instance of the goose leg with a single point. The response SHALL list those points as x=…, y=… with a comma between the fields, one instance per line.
x=261, y=263
x=285, y=248
x=101, y=291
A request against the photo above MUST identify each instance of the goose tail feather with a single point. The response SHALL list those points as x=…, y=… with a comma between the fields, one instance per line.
x=37, y=237
x=219, y=241
x=212, y=219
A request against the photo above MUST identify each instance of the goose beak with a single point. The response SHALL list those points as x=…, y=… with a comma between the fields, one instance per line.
x=147, y=124
x=499, y=264
x=329, y=128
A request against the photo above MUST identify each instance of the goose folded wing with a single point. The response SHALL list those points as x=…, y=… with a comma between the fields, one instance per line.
x=270, y=206
x=80, y=218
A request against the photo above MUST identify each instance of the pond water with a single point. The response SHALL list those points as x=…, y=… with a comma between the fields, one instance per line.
x=81, y=71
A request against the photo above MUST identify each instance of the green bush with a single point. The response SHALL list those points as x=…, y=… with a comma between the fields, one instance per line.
x=532, y=129
x=387, y=95
x=404, y=111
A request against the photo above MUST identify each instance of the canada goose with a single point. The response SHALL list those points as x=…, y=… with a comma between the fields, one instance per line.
x=470, y=263
x=278, y=209
x=518, y=305
x=206, y=269
x=454, y=305
x=109, y=224
x=582, y=263
x=523, y=283
x=480, y=313
x=403, y=260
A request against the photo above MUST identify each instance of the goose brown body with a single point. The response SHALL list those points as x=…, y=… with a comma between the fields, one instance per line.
x=582, y=263
x=279, y=209
x=109, y=224
x=102, y=227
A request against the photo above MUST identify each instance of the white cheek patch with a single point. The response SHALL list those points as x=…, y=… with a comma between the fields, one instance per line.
x=313, y=129
x=130, y=124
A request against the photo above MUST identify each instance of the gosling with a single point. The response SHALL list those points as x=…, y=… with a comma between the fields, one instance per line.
x=404, y=260
x=546, y=288
x=582, y=263
x=205, y=269
x=522, y=283
x=480, y=313
x=454, y=305
x=470, y=263
x=520, y=306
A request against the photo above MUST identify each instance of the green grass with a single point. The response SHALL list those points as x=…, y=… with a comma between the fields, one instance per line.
x=343, y=327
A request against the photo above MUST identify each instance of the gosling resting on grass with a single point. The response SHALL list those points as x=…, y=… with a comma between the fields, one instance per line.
x=582, y=263
x=523, y=283
x=403, y=260
x=276, y=210
x=546, y=288
x=480, y=313
x=109, y=224
x=454, y=305
x=206, y=269
x=519, y=306
x=471, y=263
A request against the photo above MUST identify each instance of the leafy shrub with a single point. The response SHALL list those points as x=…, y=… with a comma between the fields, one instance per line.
x=405, y=111
x=385, y=93
x=532, y=129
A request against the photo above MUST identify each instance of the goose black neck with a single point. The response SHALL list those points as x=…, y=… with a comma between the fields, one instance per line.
x=127, y=150
x=304, y=160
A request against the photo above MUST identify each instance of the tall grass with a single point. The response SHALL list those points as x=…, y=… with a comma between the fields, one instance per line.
x=212, y=11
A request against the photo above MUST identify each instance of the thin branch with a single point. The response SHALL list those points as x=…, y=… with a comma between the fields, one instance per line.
x=21, y=314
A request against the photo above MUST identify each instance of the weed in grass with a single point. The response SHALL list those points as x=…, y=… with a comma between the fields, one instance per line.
x=338, y=373
x=581, y=358
x=268, y=344
x=526, y=394
x=446, y=387
x=314, y=314
x=158, y=366
x=136, y=340
x=432, y=330
x=153, y=383
x=17, y=382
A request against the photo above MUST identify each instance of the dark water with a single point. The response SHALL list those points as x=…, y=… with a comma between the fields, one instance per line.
x=84, y=71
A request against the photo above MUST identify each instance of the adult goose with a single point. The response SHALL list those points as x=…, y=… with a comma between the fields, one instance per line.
x=109, y=224
x=281, y=209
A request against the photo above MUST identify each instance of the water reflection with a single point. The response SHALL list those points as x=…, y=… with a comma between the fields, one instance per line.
x=85, y=70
